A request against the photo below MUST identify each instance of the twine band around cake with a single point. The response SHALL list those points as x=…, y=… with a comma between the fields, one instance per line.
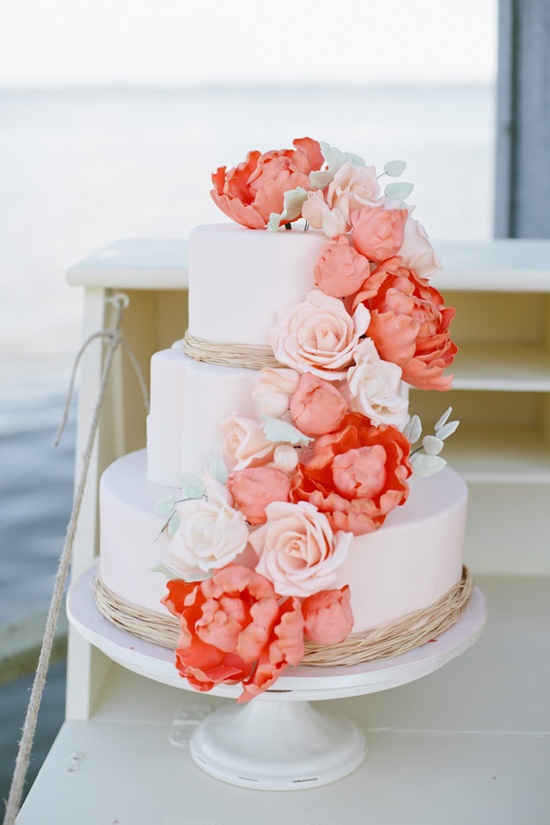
x=391, y=639
x=249, y=356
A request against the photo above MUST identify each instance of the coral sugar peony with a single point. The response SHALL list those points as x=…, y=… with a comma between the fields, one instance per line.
x=254, y=189
x=234, y=629
x=410, y=325
x=356, y=475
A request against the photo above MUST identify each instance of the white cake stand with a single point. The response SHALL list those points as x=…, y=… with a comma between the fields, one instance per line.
x=278, y=741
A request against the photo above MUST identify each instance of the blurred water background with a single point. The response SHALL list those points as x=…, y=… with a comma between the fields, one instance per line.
x=80, y=169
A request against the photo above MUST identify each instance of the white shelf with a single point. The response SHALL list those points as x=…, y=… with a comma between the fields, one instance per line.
x=502, y=367
x=499, y=454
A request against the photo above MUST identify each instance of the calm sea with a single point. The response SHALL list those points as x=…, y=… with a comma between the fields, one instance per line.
x=81, y=169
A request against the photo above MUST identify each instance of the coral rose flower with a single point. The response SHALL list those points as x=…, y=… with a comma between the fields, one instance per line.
x=256, y=487
x=356, y=475
x=251, y=191
x=317, y=407
x=328, y=618
x=410, y=325
x=378, y=232
x=233, y=629
x=340, y=270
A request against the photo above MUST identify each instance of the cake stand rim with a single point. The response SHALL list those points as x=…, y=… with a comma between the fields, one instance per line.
x=304, y=682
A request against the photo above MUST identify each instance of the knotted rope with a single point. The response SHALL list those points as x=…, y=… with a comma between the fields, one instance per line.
x=113, y=337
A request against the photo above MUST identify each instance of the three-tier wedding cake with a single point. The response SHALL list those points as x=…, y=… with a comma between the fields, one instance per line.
x=287, y=504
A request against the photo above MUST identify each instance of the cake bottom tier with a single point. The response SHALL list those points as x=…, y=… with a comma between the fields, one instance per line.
x=407, y=565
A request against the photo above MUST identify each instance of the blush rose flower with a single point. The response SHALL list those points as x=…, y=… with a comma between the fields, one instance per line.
x=351, y=188
x=374, y=387
x=318, y=335
x=340, y=270
x=245, y=444
x=234, y=628
x=356, y=475
x=417, y=252
x=410, y=325
x=378, y=232
x=320, y=216
x=210, y=535
x=251, y=191
x=274, y=390
x=298, y=550
x=317, y=407
x=328, y=618
x=256, y=487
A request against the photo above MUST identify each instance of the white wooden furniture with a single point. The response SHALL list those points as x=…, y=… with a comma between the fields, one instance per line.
x=469, y=743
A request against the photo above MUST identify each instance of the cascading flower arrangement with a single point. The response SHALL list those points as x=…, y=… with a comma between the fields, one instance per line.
x=256, y=545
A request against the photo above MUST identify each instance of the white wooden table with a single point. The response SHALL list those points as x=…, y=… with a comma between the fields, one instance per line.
x=469, y=743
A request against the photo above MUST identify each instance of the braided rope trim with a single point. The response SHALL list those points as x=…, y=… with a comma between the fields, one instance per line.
x=252, y=357
x=392, y=639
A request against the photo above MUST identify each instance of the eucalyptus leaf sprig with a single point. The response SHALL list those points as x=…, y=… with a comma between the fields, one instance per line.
x=193, y=487
x=425, y=458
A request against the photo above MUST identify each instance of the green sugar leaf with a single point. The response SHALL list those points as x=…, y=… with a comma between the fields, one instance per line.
x=395, y=168
x=173, y=524
x=278, y=431
x=219, y=470
x=427, y=465
x=399, y=190
x=164, y=505
x=191, y=486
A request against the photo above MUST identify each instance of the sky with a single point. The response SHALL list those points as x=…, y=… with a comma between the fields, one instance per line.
x=193, y=42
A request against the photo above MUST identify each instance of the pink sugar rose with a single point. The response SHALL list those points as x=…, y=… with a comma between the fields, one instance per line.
x=374, y=387
x=251, y=191
x=410, y=325
x=351, y=188
x=274, y=390
x=328, y=618
x=317, y=407
x=417, y=252
x=234, y=628
x=318, y=335
x=245, y=444
x=340, y=270
x=378, y=232
x=316, y=212
x=298, y=550
x=256, y=487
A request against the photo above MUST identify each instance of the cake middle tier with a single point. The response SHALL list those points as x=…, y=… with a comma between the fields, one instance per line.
x=189, y=401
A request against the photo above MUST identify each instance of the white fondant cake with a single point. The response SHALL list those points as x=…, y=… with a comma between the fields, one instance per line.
x=280, y=449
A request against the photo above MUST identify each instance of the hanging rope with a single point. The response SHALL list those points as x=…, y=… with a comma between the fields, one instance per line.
x=114, y=338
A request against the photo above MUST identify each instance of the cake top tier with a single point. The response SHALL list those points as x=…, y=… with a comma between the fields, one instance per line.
x=239, y=279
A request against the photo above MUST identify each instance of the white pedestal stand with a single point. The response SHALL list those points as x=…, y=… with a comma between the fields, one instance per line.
x=278, y=741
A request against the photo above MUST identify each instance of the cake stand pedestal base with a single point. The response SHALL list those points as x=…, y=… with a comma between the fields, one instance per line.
x=277, y=746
